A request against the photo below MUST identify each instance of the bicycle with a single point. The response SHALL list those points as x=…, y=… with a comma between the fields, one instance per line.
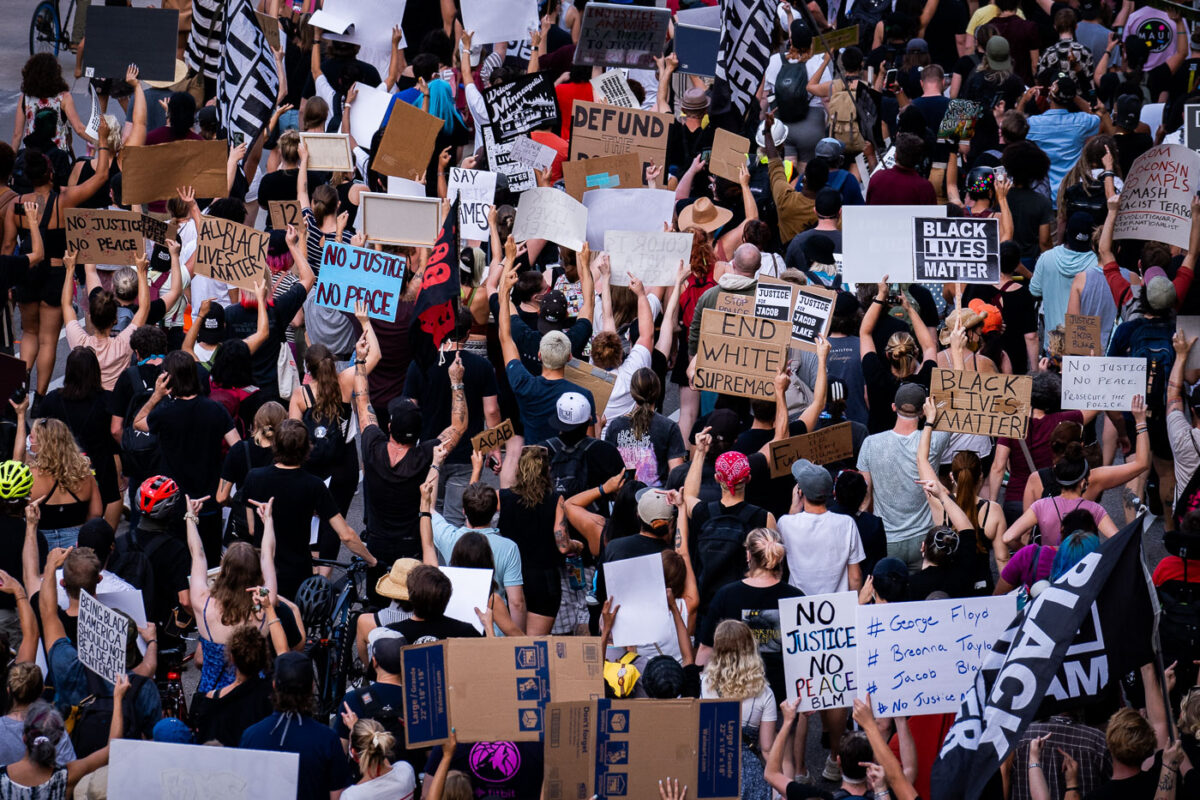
x=330, y=625
x=50, y=31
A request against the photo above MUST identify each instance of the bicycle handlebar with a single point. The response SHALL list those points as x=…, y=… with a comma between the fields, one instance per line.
x=355, y=563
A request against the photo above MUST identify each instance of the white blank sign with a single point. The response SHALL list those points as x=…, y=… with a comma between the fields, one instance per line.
x=158, y=769
x=401, y=220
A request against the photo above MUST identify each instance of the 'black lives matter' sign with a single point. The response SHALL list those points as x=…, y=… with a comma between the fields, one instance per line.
x=959, y=250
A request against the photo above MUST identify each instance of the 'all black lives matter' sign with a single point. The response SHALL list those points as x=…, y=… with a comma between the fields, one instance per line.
x=960, y=250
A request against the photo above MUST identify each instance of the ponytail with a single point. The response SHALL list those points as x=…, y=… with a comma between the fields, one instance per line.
x=967, y=472
x=327, y=392
x=766, y=549
x=645, y=388
x=373, y=745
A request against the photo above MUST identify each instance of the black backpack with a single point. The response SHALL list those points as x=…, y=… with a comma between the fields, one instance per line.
x=140, y=454
x=568, y=465
x=721, y=548
x=88, y=722
x=1087, y=197
x=791, y=92
x=328, y=439
x=1179, y=623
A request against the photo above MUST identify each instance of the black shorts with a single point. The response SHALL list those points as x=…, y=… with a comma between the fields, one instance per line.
x=543, y=591
x=43, y=285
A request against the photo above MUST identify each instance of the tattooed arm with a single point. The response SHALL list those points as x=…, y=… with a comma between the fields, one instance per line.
x=562, y=540
x=362, y=398
x=458, y=406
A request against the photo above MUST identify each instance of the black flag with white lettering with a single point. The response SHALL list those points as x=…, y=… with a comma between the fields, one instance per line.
x=248, y=82
x=1110, y=586
x=438, y=300
x=745, y=47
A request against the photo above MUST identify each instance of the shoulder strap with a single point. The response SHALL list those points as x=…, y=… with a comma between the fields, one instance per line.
x=308, y=393
x=1028, y=455
x=1031, y=573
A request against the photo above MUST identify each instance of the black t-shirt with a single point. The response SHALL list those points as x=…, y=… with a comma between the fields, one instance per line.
x=190, y=435
x=929, y=579
x=948, y=22
x=870, y=531
x=88, y=420
x=1140, y=787
x=13, y=270
x=393, y=493
x=431, y=630
x=532, y=529
x=226, y=718
x=241, y=323
x=243, y=457
x=882, y=386
x=683, y=146
x=277, y=185
x=430, y=388
x=12, y=540
x=300, y=496
x=70, y=624
x=171, y=563
x=758, y=607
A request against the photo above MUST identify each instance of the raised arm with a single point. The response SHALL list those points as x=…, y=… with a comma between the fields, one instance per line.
x=666, y=333
x=586, y=284
x=143, y=292
x=29, y=627
x=900, y=786
x=362, y=393
x=508, y=279
x=68, y=289
x=300, y=257
x=140, y=422
x=302, y=176
x=1183, y=346
x=866, y=329
x=29, y=550
x=811, y=416
x=266, y=557
x=263, y=330
x=429, y=490
x=666, y=68
x=458, y=405
x=198, y=582
x=691, y=484
x=924, y=468
x=644, y=315
x=74, y=195
x=176, y=291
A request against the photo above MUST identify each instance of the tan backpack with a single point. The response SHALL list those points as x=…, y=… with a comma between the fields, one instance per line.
x=843, y=118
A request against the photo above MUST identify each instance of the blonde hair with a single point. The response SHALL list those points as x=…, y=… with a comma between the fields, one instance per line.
x=902, y=354
x=289, y=147
x=1189, y=715
x=372, y=744
x=458, y=786
x=766, y=549
x=533, y=476
x=115, y=132
x=58, y=455
x=735, y=671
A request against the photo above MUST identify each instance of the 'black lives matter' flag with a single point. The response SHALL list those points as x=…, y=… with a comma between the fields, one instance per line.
x=437, y=302
x=248, y=81
x=1109, y=585
x=745, y=49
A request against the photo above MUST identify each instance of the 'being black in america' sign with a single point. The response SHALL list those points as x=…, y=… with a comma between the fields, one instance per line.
x=956, y=250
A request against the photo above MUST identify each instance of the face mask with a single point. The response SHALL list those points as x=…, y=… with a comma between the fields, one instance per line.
x=29, y=448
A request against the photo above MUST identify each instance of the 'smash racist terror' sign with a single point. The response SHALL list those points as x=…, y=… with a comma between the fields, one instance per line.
x=986, y=404
x=1156, y=201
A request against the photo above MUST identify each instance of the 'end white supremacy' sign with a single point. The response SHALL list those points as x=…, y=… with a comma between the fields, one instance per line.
x=956, y=250
x=1107, y=384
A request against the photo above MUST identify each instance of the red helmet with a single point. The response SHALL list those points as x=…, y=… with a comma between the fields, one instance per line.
x=157, y=496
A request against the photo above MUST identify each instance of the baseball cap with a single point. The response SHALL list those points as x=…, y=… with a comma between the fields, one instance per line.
x=573, y=410
x=386, y=650
x=917, y=46
x=828, y=203
x=999, y=54
x=404, y=421
x=1159, y=292
x=553, y=313
x=653, y=505
x=294, y=672
x=891, y=579
x=819, y=250
x=1079, y=232
x=172, y=730
x=212, y=327
x=1128, y=111
x=910, y=398
x=829, y=149
x=732, y=469
x=846, y=305
x=98, y=535
x=724, y=425
x=814, y=481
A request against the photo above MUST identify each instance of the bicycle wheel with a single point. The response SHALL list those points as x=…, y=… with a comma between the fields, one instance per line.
x=45, y=29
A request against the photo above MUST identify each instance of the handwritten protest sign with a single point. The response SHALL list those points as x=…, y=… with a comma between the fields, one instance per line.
x=622, y=171
x=328, y=151
x=103, y=634
x=1156, y=202
x=270, y=27
x=985, y=404
x=521, y=105
x=154, y=172
x=495, y=21
x=284, y=213
x=601, y=130
x=499, y=158
x=488, y=440
x=100, y=236
x=642, y=210
x=653, y=258
x=878, y=241
x=920, y=658
x=728, y=154
x=730, y=303
x=351, y=275
x=400, y=220
x=545, y=213
x=1108, y=384
x=475, y=190
x=817, y=640
x=138, y=768
x=835, y=40
x=157, y=229
x=614, y=89
x=1190, y=326
x=825, y=446
x=1082, y=335
x=740, y=355
x=599, y=382
x=235, y=254
x=812, y=315
x=956, y=250
x=622, y=35
x=532, y=154
x=407, y=143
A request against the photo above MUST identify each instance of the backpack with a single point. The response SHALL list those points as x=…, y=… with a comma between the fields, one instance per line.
x=1179, y=622
x=140, y=453
x=1189, y=496
x=89, y=721
x=568, y=465
x=1088, y=197
x=391, y=719
x=720, y=546
x=1151, y=340
x=791, y=92
x=131, y=563
x=328, y=440
x=844, y=122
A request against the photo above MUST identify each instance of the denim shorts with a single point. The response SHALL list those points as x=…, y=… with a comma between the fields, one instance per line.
x=61, y=537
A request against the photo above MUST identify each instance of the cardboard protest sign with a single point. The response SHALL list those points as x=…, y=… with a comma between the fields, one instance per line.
x=641, y=210
x=1191, y=126
x=878, y=241
x=920, y=658
x=120, y=35
x=1108, y=384
x=835, y=40
x=350, y=275
x=103, y=637
x=140, y=768
x=495, y=690
x=154, y=172
x=532, y=154
x=958, y=123
x=773, y=299
x=520, y=178
x=623, y=748
x=602, y=130
x=1082, y=336
x=545, y=213
x=612, y=88
x=638, y=583
x=728, y=154
x=653, y=258
x=697, y=46
x=270, y=27
x=12, y=374
x=367, y=113
x=100, y=236
x=622, y=35
x=470, y=589
x=740, y=355
x=730, y=303
x=366, y=23
x=1190, y=326
x=407, y=143
x=986, y=404
x=1156, y=202
x=521, y=105
x=235, y=254
x=956, y=250
x=328, y=151
x=622, y=171
x=812, y=315
x=819, y=657
x=475, y=190
x=400, y=220
x=158, y=230
x=494, y=21
x=824, y=446
x=284, y=213
x=488, y=440
x=599, y=382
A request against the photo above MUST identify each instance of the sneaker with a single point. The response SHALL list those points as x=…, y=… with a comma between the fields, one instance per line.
x=832, y=771
x=803, y=777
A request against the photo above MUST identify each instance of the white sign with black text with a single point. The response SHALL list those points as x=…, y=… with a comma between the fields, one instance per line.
x=1108, y=384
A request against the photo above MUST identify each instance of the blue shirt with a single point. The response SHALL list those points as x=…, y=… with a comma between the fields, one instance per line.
x=72, y=686
x=504, y=551
x=324, y=768
x=537, y=397
x=1061, y=135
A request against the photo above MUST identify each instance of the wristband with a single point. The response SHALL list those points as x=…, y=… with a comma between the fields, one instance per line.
x=425, y=515
x=600, y=489
x=152, y=641
x=436, y=466
x=877, y=300
x=1072, y=789
x=1035, y=765
x=457, y=387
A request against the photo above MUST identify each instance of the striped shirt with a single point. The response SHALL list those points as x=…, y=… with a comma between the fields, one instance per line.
x=205, y=39
x=315, y=239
